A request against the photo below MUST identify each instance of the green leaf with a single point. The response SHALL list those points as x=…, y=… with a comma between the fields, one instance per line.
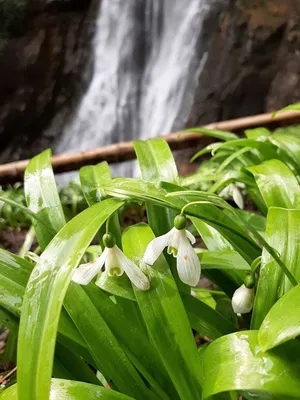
x=44, y=296
x=277, y=184
x=235, y=234
x=135, y=342
x=42, y=197
x=206, y=150
x=226, y=259
x=118, y=286
x=227, y=279
x=236, y=155
x=28, y=212
x=109, y=357
x=236, y=362
x=10, y=322
x=14, y=275
x=205, y=296
x=223, y=135
x=288, y=140
x=157, y=165
x=75, y=365
x=282, y=323
x=205, y=320
x=232, y=176
x=282, y=234
x=257, y=133
x=92, y=178
x=267, y=150
x=212, y=239
x=156, y=161
x=291, y=107
x=71, y=390
x=242, y=223
x=258, y=222
x=165, y=316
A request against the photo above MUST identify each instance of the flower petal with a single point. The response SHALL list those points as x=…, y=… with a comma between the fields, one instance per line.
x=137, y=277
x=112, y=262
x=156, y=246
x=242, y=300
x=237, y=197
x=188, y=264
x=191, y=237
x=174, y=241
x=86, y=272
x=101, y=279
x=224, y=192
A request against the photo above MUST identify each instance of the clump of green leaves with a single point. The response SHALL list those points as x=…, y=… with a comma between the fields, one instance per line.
x=139, y=338
x=14, y=217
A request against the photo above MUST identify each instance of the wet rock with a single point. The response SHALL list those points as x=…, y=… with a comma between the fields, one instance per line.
x=41, y=66
x=253, y=64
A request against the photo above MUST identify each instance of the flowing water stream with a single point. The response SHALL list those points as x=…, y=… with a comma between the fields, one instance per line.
x=148, y=55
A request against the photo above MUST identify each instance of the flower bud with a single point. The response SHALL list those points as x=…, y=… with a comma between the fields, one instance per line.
x=242, y=300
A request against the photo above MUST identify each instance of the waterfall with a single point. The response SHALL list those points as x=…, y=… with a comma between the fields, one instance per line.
x=148, y=55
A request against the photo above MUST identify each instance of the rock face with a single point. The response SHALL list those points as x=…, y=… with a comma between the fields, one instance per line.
x=253, y=65
x=41, y=63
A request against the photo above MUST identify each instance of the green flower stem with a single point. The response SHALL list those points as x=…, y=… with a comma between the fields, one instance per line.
x=194, y=203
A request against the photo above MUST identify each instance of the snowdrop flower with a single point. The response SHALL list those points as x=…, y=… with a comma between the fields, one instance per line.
x=178, y=240
x=243, y=297
x=232, y=190
x=116, y=263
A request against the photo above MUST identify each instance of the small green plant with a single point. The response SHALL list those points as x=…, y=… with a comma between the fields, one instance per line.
x=128, y=332
x=12, y=216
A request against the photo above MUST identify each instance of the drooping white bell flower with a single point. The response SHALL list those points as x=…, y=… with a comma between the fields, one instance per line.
x=116, y=263
x=242, y=300
x=178, y=241
x=232, y=190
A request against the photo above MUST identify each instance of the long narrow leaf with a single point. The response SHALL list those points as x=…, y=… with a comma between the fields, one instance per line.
x=71, y=390
x=44, y=297
x=165, y=317
x=216, y=218
x=106, y=351
x=277, y=184
x=282, y=323
x=236, y=362
x=42, y=197
x=133, y=340
x=223, y=135
x=282, y=235
x=157, y=165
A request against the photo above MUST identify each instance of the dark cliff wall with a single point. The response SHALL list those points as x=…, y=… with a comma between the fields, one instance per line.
x=43, y=52
x=253, y=65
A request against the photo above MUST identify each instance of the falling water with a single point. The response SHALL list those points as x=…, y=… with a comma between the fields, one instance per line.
x=148, y=55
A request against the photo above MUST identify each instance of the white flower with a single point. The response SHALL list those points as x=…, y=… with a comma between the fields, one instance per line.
x=178, y=243
x=232, y=190
x=116, y=263
x=242, y=300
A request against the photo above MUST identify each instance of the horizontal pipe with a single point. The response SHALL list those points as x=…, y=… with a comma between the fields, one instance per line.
x=14, y=171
